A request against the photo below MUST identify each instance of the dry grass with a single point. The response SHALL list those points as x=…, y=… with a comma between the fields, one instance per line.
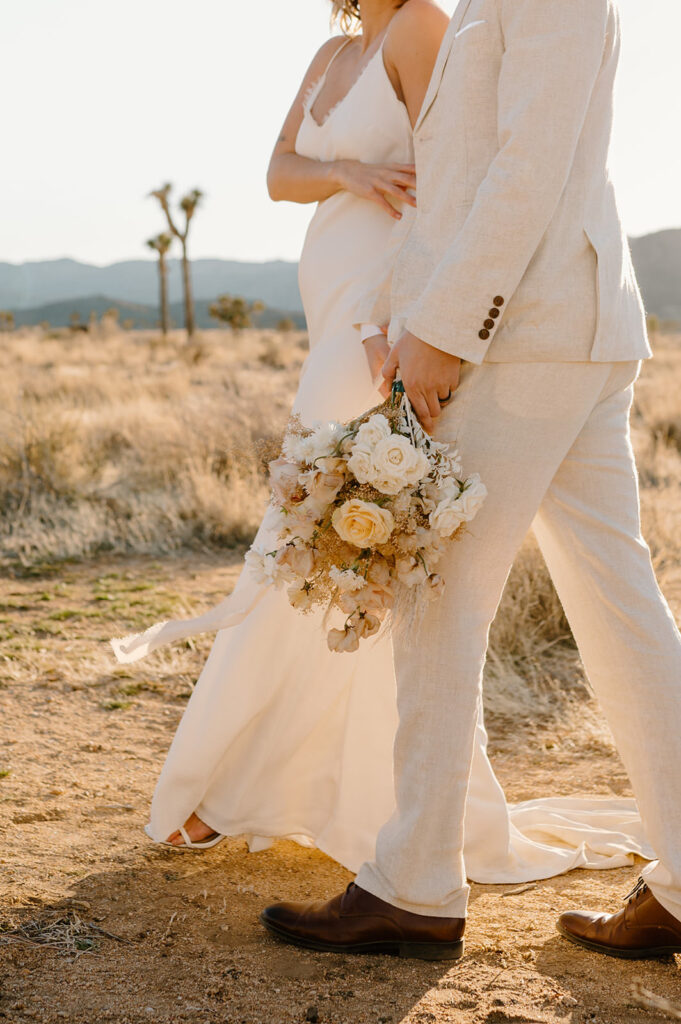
x=123, y=444
x=127, y=445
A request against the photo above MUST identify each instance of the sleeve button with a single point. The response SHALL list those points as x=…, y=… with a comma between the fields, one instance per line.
x=498, y=301
x=489, y=324
x=484, y=334
x=494, y=312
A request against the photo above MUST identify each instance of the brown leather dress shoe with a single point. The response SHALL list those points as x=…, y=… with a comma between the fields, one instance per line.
x=355, y=921
x=642, y=930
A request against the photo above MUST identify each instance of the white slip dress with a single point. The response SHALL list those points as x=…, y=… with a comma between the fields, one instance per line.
x=282, y=738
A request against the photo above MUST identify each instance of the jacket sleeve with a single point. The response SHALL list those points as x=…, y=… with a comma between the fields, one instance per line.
x=553, y=50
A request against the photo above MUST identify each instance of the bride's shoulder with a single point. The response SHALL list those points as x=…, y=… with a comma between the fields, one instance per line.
x=417, y=19
x=324, y=54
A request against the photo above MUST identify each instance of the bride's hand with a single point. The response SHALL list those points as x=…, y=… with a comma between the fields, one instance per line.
x=378, y=182
x=377, y=351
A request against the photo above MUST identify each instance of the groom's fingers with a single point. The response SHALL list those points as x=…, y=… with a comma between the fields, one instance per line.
x=433, y=403
x=390, y=366
x=421, y=408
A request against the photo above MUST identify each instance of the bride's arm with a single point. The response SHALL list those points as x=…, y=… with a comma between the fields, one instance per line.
x=410, y=51
x=299, y=179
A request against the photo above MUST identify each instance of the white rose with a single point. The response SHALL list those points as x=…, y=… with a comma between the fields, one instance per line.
x=397, y=463
x=447, y=517
x=374, y=430
x=359, y=464
x=363, y=523
x=472, y=497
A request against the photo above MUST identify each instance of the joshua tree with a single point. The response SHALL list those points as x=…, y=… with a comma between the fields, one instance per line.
x=161, y=244
x=188, y=205
x=235, y=312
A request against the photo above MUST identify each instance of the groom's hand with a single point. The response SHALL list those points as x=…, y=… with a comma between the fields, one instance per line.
x=430, y=376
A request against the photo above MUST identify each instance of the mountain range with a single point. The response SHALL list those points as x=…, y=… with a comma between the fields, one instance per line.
x=54, y=290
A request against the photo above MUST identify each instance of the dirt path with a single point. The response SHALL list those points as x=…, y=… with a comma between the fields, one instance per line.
x=81, y=743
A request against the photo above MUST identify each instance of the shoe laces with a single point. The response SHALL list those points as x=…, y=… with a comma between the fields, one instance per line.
x=638, y=890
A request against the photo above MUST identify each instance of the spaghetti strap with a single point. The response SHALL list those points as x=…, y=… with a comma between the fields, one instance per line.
x=333, y=57
x=315, y=88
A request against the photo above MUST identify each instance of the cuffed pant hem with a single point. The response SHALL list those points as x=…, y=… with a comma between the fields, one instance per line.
x=368, y=880
x=671, y=905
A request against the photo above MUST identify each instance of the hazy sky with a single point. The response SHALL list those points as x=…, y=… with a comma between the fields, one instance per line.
x=103, y=101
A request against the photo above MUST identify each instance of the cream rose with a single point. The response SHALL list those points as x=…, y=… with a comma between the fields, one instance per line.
x=374, y=430
x=396, y=463
x=363, y=523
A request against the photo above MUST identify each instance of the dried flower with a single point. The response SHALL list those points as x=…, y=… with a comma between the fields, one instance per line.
x=341, y=640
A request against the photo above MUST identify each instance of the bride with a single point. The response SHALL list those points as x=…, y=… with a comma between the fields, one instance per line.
x=282, y=738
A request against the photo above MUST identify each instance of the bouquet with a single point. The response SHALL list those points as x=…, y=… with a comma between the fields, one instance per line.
x=363, y=512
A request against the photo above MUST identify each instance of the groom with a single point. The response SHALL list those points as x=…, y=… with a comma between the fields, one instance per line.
x=514, y=292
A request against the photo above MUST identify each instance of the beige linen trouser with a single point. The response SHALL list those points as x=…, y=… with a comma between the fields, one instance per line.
x=551, y=442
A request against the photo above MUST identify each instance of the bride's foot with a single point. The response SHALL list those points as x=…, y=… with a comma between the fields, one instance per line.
x=196, y=829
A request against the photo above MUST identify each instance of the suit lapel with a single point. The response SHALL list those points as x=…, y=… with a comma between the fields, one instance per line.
x=441, y=62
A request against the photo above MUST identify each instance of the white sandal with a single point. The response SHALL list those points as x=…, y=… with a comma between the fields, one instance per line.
x=189, y=844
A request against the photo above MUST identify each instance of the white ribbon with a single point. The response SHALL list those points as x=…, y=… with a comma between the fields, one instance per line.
x=230, y=612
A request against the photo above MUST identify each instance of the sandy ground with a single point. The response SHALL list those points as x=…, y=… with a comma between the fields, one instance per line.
x=115, y=929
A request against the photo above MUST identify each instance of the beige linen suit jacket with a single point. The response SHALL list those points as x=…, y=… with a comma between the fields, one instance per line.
x=516, y=251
